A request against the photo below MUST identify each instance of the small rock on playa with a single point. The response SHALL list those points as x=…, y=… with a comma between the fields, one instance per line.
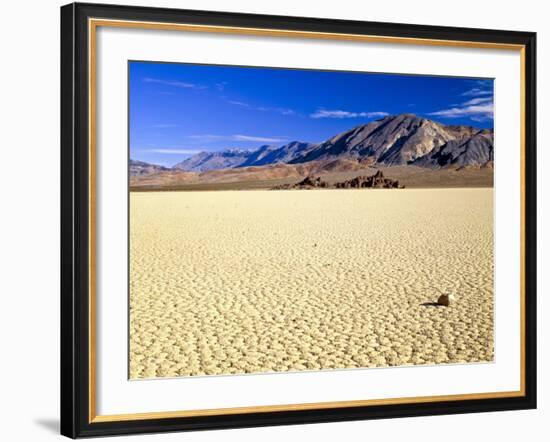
x=445, y=300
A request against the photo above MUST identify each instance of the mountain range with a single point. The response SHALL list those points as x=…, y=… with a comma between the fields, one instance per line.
x=138, y=168
x=233, y=158
x=396, y=140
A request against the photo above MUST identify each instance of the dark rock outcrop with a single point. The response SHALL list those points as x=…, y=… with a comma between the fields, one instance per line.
x=309, y=182
x=376, y=181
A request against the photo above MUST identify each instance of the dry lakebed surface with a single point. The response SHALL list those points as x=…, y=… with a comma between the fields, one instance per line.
x=226, y=282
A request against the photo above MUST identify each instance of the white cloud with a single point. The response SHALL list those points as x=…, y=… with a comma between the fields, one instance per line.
x=324, y=113
x=165, y=125
x=175, y=151
x=479, y=119
x=478, y=100
x=478, y=112
x=238, y=103
x=261, y=139
x=279, y=110
x=479, y=107
x=283, y=111
x=175, y=83
x=476, y=92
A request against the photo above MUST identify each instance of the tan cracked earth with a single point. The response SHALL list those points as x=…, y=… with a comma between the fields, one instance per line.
x=267, y=281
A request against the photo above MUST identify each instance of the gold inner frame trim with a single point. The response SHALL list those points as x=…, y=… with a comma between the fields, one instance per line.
x=93, y=24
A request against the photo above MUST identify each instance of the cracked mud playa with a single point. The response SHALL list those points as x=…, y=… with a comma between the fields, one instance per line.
x=266, y=281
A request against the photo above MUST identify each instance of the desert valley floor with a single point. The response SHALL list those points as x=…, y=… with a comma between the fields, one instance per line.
x=225, y=282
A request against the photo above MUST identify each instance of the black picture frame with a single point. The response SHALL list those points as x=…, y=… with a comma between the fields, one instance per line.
x=75, y=221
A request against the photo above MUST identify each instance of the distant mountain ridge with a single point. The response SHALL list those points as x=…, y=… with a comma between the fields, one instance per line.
x=225, y=159
x=405, y=139
x=395, y=140
x=143, y=168
x=276, y=155
x=232, y=158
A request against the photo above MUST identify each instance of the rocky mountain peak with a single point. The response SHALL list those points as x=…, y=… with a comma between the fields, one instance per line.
x=393, y=140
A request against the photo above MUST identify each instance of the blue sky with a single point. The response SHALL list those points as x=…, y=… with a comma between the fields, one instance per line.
x=177, y=110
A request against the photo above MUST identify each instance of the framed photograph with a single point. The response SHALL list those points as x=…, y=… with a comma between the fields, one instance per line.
x=274, y=220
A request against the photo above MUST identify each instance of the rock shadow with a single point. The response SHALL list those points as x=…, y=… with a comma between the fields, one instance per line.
x=431, y=304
